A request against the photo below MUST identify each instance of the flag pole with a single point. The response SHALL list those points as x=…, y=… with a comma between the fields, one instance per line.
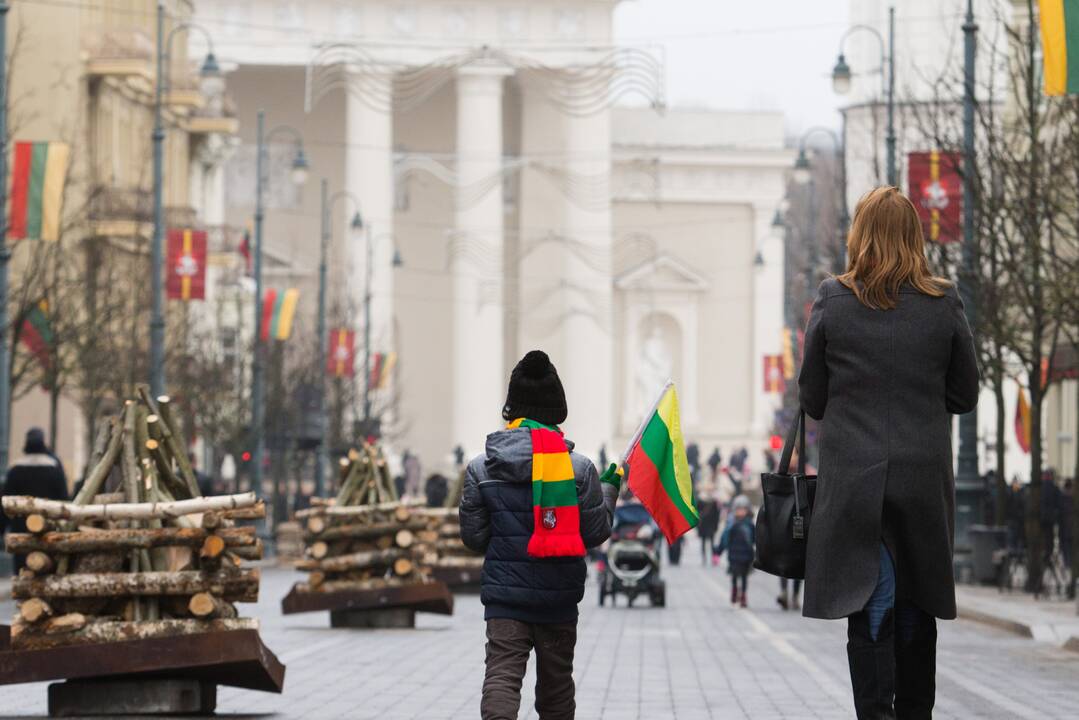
x=644, y=423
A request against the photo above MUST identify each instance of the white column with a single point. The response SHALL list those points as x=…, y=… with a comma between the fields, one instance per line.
x=767, y=314
x=479, y=378
x=369, y=176
x=586, y=364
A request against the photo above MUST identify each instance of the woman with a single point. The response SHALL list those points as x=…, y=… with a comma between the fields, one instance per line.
x=889, y=358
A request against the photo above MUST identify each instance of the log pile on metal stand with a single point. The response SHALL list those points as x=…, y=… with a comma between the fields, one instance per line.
x=137, y=557
x=452, y=562
x=364, y=558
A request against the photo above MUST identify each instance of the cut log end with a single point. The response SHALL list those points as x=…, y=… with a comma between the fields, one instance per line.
x=36, y=523
x=212, y=547
x=39, y=562
x=402, y=513
x=403, y=566
x=316, y=525
x=34, y=610
x=404, y=538
x=319, y=550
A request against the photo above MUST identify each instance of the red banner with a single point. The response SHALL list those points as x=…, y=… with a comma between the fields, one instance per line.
x=340, y=362
x=937, y=193
x=186, y=264
x=773, y=374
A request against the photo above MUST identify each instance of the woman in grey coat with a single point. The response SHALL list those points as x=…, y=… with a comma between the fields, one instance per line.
x=889, y=358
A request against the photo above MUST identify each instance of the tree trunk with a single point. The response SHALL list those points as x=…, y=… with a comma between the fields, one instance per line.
x=239, y=585
x=1001, y=510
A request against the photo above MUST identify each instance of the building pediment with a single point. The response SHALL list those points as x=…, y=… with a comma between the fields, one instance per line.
x=662, y=273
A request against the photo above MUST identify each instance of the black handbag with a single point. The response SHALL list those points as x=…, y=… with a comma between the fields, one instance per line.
x=784, y=518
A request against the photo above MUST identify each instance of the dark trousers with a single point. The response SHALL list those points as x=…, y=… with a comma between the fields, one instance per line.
x=739, y=576
x=509, y=643
x=892, y=649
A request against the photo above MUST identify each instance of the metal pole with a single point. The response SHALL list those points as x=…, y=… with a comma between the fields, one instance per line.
x=157, y=312
x=320, y=456
x=893, y=178
x=256, y=368
x=811, y=246
x=367, y=334
x=5, y=255
x=968, y=482
x=844, y=213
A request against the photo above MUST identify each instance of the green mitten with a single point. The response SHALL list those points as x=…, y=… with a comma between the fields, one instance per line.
x=612, y=476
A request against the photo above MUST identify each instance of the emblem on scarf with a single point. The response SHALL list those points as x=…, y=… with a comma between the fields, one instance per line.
x=549, y=520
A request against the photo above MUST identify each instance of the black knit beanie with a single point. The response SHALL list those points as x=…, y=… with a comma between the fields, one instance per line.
x=535, y=391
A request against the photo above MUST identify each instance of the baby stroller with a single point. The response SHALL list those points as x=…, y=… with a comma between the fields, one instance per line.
x=633, y=560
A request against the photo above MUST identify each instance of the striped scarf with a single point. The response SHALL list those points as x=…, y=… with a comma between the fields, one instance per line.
x=556, y=517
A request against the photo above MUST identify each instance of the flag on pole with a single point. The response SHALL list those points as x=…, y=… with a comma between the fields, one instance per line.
x=341, y=358
x=36, y=333
x=376, y=370
x=388, y=364
x=278, y=312
x=186, y=265
x=773, y=374
x=658, y=469
x=1022, y=421
x=245, y=249
x=37, y=190
x=788, y=355
x=936, y=189
x=1060, y=45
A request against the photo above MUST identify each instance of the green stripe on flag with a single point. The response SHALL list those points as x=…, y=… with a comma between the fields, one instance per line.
x=40, y=321
x=275, y=319
x=656, y=444
x=36, y=190
x=1071, y=39
x=554, y=494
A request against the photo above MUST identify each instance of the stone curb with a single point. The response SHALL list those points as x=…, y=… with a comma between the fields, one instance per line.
x=1044, y=633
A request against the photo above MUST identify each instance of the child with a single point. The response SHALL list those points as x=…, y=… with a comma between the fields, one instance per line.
x=534, y=540
x=739, y=538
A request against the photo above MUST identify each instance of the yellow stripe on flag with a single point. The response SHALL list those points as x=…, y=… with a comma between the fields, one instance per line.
x=934, y=213
x=342, y=337
x=288, y=311
x=668, y=413
x=1054, y=46
x=387, y=369
x=185, y=279
x=552, y=467
x=52, y=194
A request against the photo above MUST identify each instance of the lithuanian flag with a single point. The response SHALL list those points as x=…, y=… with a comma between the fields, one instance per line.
x=278, y=312
x=1022, y=421
x=658, y=470
x=36, y=333
x=1060, y=45
x=37, y=190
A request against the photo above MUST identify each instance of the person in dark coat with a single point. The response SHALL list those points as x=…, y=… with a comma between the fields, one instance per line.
x=1067, y=521
x=708, y=525
x=531, y=582
x=1017, y=516
x=739, y=541
x=889, y=358
x=37, y=474
x=436, y=489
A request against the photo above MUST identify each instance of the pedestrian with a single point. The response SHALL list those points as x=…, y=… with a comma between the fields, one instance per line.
x=37, y=474
x=1067, y=521
x=708, y=525
x=714, y=461
x=1049, y=514
x=769, y=461
x=413, y=471
x=436, y=489
x=738, y=541
x=789, y=600
x=204, y=481
x=1017, y=516
x=888, y=359
x=533, y=507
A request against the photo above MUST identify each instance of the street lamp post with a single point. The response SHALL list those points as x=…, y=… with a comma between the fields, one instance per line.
x=212, y=82
x=803, y=175
x=299, y=176
x=5, y=256
x=841, y=82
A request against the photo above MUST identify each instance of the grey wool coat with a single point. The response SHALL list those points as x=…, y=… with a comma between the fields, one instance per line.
x=884, y=384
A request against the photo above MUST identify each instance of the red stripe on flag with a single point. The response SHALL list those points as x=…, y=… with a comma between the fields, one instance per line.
x=267, y=313
x=20, y=181
x=645, y=483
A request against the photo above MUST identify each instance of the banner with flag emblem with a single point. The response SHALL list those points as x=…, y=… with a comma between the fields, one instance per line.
x=37, y=190
x=186, y=264
x=937, y=193
x=787, y=345
x=36, y=333
x=340, y=361
x=773, y=374
x=278, y=311
x=1060, y=45
x=658, y=469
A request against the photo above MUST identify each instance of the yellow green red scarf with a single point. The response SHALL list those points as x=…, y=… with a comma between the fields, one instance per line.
x=556, y=517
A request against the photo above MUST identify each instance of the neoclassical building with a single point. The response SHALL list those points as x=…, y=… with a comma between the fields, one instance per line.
x=539, y=194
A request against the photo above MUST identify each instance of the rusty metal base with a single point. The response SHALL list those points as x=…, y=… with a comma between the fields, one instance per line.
x=233, y=657
x=391, y=618
x=460, y=581
x=111, y=698
x=432, y=597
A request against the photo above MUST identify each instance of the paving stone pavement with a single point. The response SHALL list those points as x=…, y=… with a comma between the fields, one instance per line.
x=698, y=659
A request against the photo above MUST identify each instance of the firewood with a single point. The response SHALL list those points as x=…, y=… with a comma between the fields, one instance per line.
x=404, y=538
x=64, y=624
x=92, y=540
x=15, y=505
x=360, y=531
x=39, y=562
x=212, y=547
x=35, y=523
x=402, y=566
x=353, y=585
x=173, y=436
x=239, y=584
x=318, y=550
x=316, y=577
x=384, y=543
x=427, y=536
x=96, y=478
x=257, y=511
x=316, y=525
x=205, y=605
x=112, y=631
x=378, y=558
x=246, y=552
x=442, y=513
x=32, y=610
x=460, y=562
x=107, y=498
x=165, y=473
x=356, y=510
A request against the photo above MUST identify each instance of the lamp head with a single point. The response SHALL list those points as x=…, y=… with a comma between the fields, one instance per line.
x=300, y=167
x=398, y=261
x=801, y=168
x=777, y=220
x=841, y=76
x=211, y=79
x=357, y=221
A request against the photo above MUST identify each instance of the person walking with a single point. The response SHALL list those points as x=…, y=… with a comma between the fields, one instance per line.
x=738, y=541
x=533, y=507
x=708, y=525
x=789, y=590
x=38, y=474
x=889, y=358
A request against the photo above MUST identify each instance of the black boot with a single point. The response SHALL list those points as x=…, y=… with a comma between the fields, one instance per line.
x=872, y=667
x=915, y=664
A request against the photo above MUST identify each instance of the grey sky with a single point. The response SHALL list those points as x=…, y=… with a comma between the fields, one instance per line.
x=733, y=54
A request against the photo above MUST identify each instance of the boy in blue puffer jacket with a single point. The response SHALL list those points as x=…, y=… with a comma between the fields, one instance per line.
x=739, y=538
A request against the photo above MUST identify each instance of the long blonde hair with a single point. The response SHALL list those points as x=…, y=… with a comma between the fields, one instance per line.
x=886, y=249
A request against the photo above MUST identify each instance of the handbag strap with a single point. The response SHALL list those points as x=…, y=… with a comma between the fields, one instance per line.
x=797, y=429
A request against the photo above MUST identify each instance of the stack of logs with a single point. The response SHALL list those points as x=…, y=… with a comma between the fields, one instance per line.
x=452, y=562
x=138, y=553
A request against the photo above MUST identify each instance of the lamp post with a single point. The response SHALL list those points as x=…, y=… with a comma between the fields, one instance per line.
x=323, y=342
x=212, y=82
x=5, y=255
x=841, y=82
x=803, y=175
x=299, y=176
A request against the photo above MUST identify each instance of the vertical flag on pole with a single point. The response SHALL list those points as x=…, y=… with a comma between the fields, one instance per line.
x=278, y=312
x=1022, y=421
x=773, y=374
x=341, y=359
x=37, y=190
x=186, y=264
x=36, y=332
x=1060, y=45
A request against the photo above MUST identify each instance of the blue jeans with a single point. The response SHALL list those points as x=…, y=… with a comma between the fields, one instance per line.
x=883, y=598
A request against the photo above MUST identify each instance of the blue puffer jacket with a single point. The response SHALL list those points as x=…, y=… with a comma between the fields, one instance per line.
x=496, y=519
x=738, y=540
